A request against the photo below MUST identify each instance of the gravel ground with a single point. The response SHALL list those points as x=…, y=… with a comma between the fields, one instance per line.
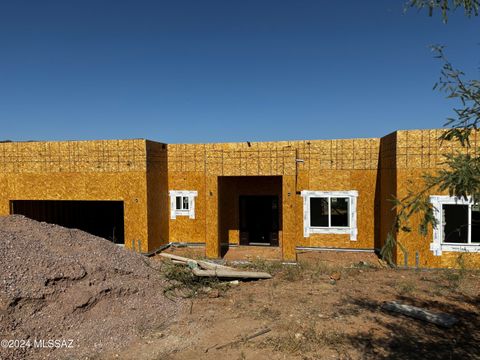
x=65, y=284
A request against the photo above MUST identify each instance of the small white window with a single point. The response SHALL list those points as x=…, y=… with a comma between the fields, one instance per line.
x=458, y=225
x=182, y=203
x=330, y=212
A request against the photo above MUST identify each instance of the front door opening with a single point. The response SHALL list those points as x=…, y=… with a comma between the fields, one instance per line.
x=259, y=220
x=100, y=218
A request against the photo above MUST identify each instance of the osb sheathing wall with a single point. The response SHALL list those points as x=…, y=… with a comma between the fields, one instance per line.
x=79, y=170
x=387, y=181
x=420, y=152
x=157, y=194
x=340, y=165
x=304, y=165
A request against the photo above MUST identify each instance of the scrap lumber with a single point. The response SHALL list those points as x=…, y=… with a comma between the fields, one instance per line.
x=201, y=263
x=231, y=274
x=202, y=268
x=441, y=319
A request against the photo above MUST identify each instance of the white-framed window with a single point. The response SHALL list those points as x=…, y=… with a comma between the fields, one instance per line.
x=182, y=203
x=458, y=225
x=330, y=212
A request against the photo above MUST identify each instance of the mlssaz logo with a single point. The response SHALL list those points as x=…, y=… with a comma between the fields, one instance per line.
x=53, y=343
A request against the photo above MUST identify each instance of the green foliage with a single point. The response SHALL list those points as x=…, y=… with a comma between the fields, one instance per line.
x=461, y=177
x=182, y=283
x=470, y=6
x=452, y=82
x=388, y=248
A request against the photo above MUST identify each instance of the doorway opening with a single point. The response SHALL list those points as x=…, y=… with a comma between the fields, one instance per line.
x=249, y=211
x=259, y=220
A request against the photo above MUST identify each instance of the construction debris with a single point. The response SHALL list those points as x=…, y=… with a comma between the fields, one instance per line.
x=203, y=268
x=441, y=319
x=200, y=263
x=229, y=274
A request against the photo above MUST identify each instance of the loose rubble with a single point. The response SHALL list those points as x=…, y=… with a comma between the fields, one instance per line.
x=65, y=284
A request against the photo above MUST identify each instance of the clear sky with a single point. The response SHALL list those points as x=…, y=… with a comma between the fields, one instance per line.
x=226, y=70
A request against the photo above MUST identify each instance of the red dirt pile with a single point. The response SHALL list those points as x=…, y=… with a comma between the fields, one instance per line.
x=65, y=284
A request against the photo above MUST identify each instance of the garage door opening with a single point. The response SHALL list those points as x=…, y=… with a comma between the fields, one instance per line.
x=100, y=218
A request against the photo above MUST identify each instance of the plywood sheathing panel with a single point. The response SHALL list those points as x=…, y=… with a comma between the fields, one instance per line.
x=212, y=243
x=127, y=187
x=289, y=209
x=423, y=149
x=184, y=229
x=276, y=158
x=309, y=165
x=79, y=170
x=387, y=183
x=421, y=152
x=364, y=181
x=413, y=242
x=157, y=195
x=73, y=156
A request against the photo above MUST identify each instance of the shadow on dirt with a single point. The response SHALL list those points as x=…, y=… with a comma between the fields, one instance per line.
x=413, y=339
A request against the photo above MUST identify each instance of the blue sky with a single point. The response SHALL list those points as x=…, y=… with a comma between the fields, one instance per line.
x=226, y=70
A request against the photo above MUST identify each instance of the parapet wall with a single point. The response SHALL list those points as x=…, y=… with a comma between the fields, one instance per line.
x=73, y=156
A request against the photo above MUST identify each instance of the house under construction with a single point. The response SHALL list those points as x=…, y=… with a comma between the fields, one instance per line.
x=287, y=195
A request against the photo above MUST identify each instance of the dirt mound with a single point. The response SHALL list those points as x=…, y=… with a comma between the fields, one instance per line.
x=65, y=284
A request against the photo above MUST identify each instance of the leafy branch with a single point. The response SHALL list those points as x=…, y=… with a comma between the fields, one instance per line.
x=467, y=91
x=470, y=7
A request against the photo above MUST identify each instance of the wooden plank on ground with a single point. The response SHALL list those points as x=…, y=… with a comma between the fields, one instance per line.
x=441, y=319
x=226, y=273
x=201, y=263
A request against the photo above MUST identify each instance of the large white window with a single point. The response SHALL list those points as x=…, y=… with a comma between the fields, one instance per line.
x=458, y=225
x=182, y=203
x=330, y=212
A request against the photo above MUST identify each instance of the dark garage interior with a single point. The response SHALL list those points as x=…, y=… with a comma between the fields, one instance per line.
x=100, y=218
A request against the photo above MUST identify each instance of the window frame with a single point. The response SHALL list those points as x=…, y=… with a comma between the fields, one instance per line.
x=190, y=212
x=182, y=203
x=438, y=245
x=351, y=229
